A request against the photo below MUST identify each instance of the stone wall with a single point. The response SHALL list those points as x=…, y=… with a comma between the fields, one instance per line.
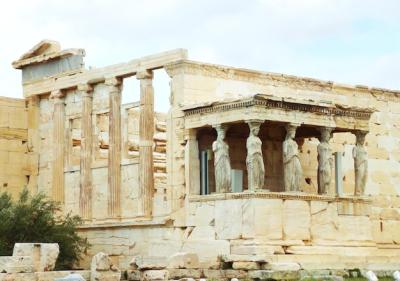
x=14, y=159
x=100, y=148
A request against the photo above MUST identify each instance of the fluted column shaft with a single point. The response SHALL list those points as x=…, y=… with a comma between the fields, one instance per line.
x=85, y=193
x=146, y=135
x=114, y=151
x=58, y=146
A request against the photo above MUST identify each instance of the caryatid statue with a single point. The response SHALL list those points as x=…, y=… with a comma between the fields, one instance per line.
x=254, y=159
x=360, y=163
x=292, y=171
x=325, y=162
x=222, y=164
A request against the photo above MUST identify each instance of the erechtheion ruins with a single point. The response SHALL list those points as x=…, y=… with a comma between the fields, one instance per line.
x=248, y=171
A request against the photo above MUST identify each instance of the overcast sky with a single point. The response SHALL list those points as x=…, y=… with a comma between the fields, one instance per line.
x=348, y=41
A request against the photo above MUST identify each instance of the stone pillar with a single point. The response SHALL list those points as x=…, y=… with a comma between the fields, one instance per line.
x=146, y=136
x=33, y=142
x=325, y=162
x=192, y=163
x=85, y=192
x=254, y=159
x=58, y=146
x=222, y=162
x=360, y=156
x=114, y=151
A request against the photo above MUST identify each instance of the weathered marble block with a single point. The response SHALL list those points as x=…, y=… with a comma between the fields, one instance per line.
x=102, y=269
x=44, y=255
x=21, y=264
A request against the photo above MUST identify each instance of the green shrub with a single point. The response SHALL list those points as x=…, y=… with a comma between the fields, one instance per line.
x=37, y=219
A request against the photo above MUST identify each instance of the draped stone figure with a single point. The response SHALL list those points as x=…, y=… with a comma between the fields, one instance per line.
x=222, y=164
x=254, y=159
x=325, y=162
x=292, y=171
x=360, y=163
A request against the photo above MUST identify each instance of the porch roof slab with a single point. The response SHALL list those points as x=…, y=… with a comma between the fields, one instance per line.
x=277, y=109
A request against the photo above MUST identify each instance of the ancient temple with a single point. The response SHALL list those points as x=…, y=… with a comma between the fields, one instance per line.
x=245, y=166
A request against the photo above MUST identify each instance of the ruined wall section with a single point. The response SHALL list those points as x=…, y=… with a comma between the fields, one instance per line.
x=100, y=147
x=15, y=170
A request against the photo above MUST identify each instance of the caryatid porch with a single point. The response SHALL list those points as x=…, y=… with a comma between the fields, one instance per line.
x=253, y=144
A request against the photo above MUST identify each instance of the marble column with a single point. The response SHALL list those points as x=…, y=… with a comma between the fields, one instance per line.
x=85, y=192
x=254, y=159
x=292, y=170
x=325, y=162
x=360, y=156
x=146, y=136
x=114, y=151
x=58, y=146
x=222, y=163
x=192, y=163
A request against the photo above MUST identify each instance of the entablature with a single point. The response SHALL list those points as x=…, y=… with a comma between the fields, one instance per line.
x=286, y=110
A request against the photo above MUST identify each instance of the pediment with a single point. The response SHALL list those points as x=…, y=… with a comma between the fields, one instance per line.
x=42, y=48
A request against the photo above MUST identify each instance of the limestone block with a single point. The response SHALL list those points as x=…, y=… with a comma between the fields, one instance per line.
x=221, y=274
x=44, y=255
x=133, y=275
x=71, y=277
x=390, y=214
x=296, y=219
x=101, y=262
x=324, y=220
x=17, y=276
x=55, y=275
x=274, y=275
x=382, y=201
x=393, y=229
x=149, y=275
x=246, y=265
x=147, y=262
x=262, y=218
x=282, y=266
x=354, y=228
x=164, y=248
x=207, y=250
x=183, y=260
x=330, y=250
x=202, y=233
x=105, y=276
x=255, y=248
x=102, y=269
x=380, y=233
x=252, y=258
x=20, y=264
x=175, y=273
x=204, y=214
x=3, y=261
x=228, y=219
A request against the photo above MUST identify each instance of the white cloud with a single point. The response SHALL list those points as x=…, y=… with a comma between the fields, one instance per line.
x=351, y=41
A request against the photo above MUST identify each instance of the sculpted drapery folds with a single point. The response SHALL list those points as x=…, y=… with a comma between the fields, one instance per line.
x=222, y=163
x=254, y=159
x=325, y=162
x=292, y=171
x=360, y=163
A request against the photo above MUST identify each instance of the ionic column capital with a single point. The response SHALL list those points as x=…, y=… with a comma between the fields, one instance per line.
x=112, y=81
x=145, y=74
x=57, y=96
x=85, y=88
x=191, y=134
